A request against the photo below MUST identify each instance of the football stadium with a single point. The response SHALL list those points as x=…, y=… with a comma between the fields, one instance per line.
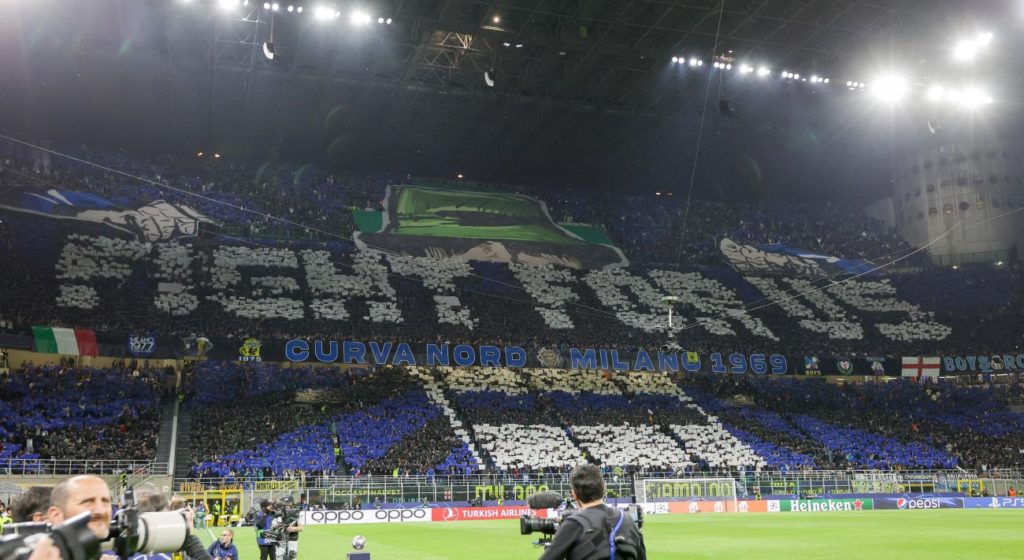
x=557, y=279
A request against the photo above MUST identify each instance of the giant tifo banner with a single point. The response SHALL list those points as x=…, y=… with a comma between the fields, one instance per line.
x=157, y=221
x=445, y=223
x=782, y=259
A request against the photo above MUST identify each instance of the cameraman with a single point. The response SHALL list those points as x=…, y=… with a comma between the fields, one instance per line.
x=585, y=534
x=264, y=521
x=292, y=522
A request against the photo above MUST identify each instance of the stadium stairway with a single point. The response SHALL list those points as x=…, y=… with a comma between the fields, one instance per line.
x=436, y=396
x=182, y=458
x=166, y=433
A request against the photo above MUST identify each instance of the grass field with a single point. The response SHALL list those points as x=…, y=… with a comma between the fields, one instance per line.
x=931, y=535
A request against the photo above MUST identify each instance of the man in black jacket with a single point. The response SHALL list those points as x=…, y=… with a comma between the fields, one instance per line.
x=591, y=532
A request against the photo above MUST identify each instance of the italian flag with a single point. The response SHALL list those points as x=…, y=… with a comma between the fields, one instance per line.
x=70, y=342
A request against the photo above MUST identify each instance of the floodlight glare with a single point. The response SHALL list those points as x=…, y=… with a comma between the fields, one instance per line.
x=763, y=72
x=388, y=21
x=275, y=6
x=746, y=69
x=291, y=8
x=891, y=88
x=675, y=59
x=266, y=5
x=975, y=97
x=359, y=17
x=227, y=4
x=936, y=93
x=299, y=9
x=966, y=50
x=323, y=13
x=693, y=61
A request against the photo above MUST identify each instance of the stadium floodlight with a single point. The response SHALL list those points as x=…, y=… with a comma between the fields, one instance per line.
x=380, y=20
x=966, y=50
x=227, y=4
x=891, y=88
x=696, y=62
x=323, y=13
x=827, y=80
x=675, y=59
x=746, y=69
x=388, y=21
x=936, y=93
x=764, y=72
x=275, y=6
x=360, y=18
x=974, y=98
x=266, y=5
x=291, y=8
x=299, y=9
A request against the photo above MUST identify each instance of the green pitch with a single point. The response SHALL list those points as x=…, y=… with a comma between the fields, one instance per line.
x=474, y=215
x=925, y=535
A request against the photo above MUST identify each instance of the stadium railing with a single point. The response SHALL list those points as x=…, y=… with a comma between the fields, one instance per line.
x=446, y=488
x=66, y=467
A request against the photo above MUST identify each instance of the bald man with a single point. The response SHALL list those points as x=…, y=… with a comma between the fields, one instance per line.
x=79, y=494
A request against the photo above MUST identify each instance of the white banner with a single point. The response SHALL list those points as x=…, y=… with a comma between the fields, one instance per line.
x=357, y=516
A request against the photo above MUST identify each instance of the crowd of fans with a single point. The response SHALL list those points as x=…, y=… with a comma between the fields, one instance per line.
x=67, y=412
x=547, y=420
x=932, y=425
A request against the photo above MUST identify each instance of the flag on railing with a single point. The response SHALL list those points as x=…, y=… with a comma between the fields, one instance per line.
x=921, y=366
x=69, y=342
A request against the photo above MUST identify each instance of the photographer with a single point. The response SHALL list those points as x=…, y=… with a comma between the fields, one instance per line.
x=79, y=494
x=589, y=533
x=149, y=499
x=31, y=506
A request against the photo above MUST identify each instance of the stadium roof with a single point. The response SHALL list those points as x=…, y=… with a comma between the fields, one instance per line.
x=583, y=90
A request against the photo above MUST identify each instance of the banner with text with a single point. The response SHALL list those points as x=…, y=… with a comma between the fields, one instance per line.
x=482, y=513
x=357, y=516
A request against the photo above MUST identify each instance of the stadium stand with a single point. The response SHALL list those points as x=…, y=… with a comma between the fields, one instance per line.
x=251, y=276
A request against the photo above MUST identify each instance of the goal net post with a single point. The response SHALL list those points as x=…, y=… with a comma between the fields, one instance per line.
x=653, y=490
